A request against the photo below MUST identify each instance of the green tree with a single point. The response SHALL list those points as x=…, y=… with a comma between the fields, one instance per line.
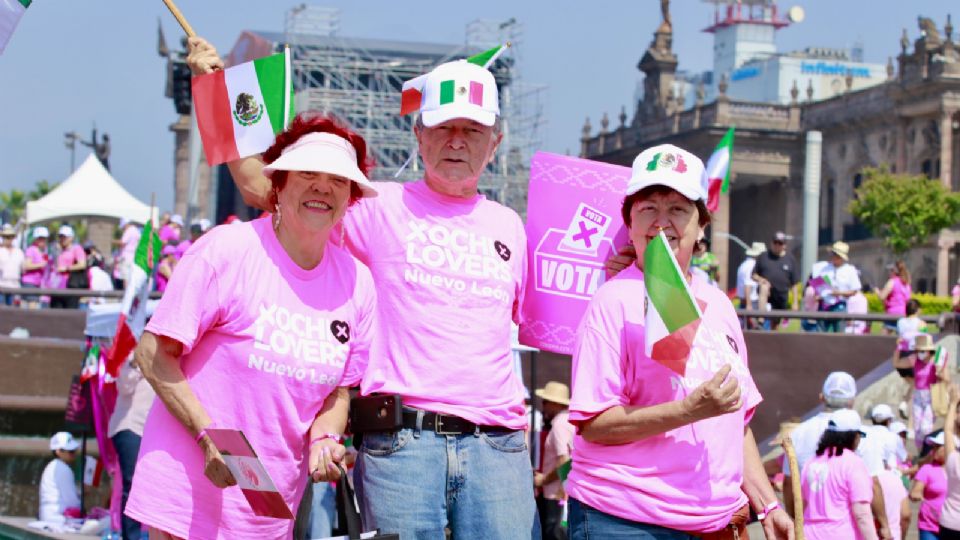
x=12, y=205
x=903, y=210
x=41, y=189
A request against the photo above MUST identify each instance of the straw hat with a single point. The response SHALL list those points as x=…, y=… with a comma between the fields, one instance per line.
x=923, y=342
x=756, y=249
x=8, y=230
x=556, y=392
x=841, y=249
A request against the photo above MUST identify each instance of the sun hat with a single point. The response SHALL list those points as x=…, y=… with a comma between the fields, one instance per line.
x=756, y=249
x=840, y=385
x=65, y=230
x=63, y=441
x=923, y=342
x=881, y=412
x=322, y=152
x=841, y=249
x=459, y=89
x=845, y=420
x=8, y=230
x=556, y=392
x=669, y=166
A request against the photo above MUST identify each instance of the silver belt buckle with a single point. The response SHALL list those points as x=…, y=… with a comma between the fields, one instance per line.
x=438, y=427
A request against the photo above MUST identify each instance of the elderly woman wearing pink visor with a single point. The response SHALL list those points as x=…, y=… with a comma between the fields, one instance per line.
x=262, y=328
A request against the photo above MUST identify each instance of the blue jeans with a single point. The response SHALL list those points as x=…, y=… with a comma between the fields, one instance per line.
x=588, y=523
x=927, y=535
x=416, y=483
x=833, y=326
x=323, y=512
x=127, y=444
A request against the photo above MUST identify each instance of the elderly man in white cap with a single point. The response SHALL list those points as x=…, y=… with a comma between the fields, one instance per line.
x=58, y=490
x=450, y=268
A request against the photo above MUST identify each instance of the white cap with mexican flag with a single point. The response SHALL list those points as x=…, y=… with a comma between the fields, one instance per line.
x=458, y=89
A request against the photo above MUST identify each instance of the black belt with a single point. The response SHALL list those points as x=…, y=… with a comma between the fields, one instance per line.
x=444, y=424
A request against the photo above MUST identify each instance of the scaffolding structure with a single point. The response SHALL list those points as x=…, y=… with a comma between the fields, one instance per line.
x=359, y=81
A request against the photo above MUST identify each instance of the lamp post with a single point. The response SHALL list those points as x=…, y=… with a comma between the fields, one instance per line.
x=70, y=139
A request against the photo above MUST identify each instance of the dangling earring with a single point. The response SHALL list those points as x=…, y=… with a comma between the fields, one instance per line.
x=277, y=216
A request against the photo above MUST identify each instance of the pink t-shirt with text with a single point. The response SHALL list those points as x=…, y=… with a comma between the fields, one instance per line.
x=449, y=274
x=934, y=480
x=265, y=342
x=688, y=478
x=830, y=487
x=33, y=255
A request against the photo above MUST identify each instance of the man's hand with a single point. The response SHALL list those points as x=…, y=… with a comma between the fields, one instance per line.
x=778, y=525
x=619, y=262
x=537, y=479
x=715, y=397
x=214, y=468
x=202, y=57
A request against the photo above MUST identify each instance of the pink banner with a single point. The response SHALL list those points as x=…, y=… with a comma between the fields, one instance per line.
x=573, y=226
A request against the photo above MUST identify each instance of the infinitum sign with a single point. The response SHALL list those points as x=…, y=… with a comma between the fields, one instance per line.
x=771, y=79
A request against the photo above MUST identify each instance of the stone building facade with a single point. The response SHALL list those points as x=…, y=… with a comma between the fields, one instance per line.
x=911, y=123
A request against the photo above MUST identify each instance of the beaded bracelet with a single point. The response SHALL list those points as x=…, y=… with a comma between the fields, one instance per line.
x=335, y=436
x=202, y=434
x=766, y=511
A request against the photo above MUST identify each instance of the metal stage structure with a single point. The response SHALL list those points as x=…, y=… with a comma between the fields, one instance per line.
x=359, y=81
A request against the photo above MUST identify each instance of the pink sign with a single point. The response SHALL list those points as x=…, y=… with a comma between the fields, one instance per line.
x=573, y=226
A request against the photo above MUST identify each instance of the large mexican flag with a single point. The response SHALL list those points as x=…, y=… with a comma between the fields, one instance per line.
x=10, y=13
x=133, y=314
x=671, y=312
x=241, y=109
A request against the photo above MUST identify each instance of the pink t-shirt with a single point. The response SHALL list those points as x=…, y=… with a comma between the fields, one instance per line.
x=688, y=478
x=66, y=259
x=830, y=486
x=934, y=480
x=128, y=243
x=894, y=493
x=169, y=234
x=950, y=512
x=559, y=443
x=33, y=255
x=182, y=248
x=450, y=275
x=896, y=302
x=924, y=373
x=265, y=342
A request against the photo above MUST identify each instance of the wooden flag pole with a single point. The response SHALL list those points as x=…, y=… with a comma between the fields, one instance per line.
x=180, y=18
x=795, y=487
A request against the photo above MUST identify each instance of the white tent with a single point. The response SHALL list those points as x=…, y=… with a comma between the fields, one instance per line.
x=89, y=192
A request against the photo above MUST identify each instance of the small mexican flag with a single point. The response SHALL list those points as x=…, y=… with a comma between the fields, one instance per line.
x=10, y=13
x=941, y=357
x=411, y=94
x=672, y=313
x=716, y=177
x=241, y=109
x=133, y=313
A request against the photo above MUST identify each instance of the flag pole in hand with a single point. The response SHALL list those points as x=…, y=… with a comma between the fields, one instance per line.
x=180, y=18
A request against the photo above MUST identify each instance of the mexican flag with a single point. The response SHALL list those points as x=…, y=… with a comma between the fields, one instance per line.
x=412, y=91
x=133, y=314
x=10, y=13
x=241, y=109
x=717, y=174
x=672, y=313
x=941, y=357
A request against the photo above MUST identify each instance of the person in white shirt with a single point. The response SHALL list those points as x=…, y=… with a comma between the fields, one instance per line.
x=58, y=491
x=844, y=281
x=747, y=288
x=11, y=262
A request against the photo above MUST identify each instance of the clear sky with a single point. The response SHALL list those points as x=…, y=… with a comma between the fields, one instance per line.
x=72, y=63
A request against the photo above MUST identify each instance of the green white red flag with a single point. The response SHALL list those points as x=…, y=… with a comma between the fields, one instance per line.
x=941, y=357
x=716, y=176
x=133, y=313
x=411, y=94
x=11, y=11
x=672, y=315
x=241, y=109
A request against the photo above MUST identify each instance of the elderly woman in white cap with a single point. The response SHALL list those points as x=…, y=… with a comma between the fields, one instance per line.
x=262, y=328
x=58, y=488
x=71, y=269
x=664, y=450
x=36, y=262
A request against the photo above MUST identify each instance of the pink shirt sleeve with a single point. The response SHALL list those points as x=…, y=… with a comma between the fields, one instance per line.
x=183, y=314
x=859, y=480
x=597, y=374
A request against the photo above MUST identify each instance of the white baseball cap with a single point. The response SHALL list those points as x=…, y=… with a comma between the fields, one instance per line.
x=65, y=230
x=177, y=219
x=897, y=427
x=881, y=412
x=670, y=166
x=845, y=420
x=41, y=232
x=63, y=441
x=322, y=152
x=459, y=89
x=840, y=385
x=940, y=438
x=205, y=224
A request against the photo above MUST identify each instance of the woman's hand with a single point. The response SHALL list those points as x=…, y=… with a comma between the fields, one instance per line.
x=778, y=525
x=715, y=397
x=324, y=455
x=214, y=467
x=202, y=57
